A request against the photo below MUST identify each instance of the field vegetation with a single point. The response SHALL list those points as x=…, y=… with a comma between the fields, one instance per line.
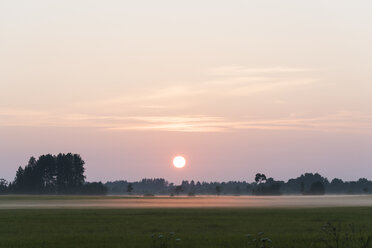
x=218, y=227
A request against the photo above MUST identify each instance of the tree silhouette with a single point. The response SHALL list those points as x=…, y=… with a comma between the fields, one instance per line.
x=3, y=185
x=130, y=188
x=70, y=172
x=302, y=189
x=93, y=189
x=61, y=174
x=47, y=166
x=218, y=189
x=260, y=178
x=178, y=189
x=317, y=188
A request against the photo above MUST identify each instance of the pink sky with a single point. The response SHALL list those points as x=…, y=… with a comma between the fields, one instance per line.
x=237, y=88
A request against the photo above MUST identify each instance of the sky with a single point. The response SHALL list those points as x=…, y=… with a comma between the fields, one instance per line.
x=237, y=87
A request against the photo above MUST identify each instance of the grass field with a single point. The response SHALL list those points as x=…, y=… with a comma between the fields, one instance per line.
x=219, y=227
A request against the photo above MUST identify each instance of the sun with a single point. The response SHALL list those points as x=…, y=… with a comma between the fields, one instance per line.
x=179, y=162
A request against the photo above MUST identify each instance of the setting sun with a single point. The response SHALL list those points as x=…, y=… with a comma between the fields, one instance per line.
x=179, y=162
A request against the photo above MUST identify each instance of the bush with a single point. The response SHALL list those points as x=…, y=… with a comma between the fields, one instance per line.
x=94, y=189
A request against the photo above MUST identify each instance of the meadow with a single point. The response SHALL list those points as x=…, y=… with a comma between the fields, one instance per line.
x=182, y=227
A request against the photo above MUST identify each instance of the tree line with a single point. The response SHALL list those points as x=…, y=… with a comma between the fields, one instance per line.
x=306, y=184
x=52, y=174
x=64, y=174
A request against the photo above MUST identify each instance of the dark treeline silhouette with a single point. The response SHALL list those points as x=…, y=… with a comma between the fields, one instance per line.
x=61, y=174
x=64, y=174
x=306, y=184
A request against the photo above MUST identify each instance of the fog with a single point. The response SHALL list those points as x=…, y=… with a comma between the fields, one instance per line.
x=29, y=202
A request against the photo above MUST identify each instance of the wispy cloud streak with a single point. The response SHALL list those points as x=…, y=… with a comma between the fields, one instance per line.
x=238, y=70
x=159, y=109
x=336, y=122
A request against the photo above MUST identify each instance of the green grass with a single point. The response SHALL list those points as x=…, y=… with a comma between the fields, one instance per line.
x=195, y=227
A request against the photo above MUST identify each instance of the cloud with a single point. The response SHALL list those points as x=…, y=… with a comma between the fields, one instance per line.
x=177, y=107
x=342, y=121
x=271, y=86
x=225, y=81
x=151, y=98
x=240, y=80
x=236, y=70
x=177, y=123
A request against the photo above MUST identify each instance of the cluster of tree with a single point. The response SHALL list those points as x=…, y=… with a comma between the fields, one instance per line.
x=61, y=174
x=265, y=186
x=64, y=174
x=306, y=184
